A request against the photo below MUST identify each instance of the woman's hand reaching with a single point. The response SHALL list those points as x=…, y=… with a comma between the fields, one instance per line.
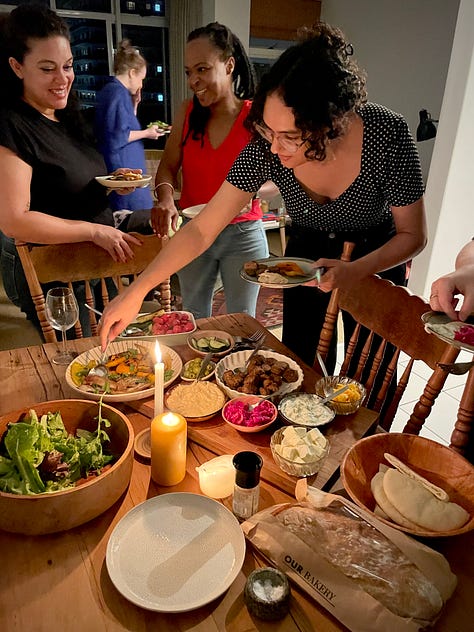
x=164, y=215
x=118, y=314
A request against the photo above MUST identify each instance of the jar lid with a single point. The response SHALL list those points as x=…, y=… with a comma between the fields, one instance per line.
x=247, y=469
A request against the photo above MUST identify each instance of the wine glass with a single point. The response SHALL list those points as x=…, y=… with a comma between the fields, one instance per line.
x=62, y=312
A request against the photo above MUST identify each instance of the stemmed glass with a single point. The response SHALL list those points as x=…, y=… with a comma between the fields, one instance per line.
x=62, y=312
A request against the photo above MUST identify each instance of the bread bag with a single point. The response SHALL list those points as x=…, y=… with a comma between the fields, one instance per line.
x=369, y=576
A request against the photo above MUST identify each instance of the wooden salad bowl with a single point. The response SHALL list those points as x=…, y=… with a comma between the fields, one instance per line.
x=436, y=462
x=58, y=511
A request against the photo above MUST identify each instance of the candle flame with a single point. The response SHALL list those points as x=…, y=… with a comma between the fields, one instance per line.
x=157, y=352
x=170, y=419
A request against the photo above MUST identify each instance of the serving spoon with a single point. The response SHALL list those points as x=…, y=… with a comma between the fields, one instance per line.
x=131, y=330
x=334, y=394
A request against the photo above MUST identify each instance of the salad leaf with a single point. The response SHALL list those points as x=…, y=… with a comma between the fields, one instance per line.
x=40, y=456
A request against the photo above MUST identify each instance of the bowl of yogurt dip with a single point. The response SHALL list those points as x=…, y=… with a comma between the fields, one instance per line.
x=304, y=409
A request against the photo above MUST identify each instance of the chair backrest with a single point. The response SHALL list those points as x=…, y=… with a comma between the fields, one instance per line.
x=84, y=261
x=392, y=316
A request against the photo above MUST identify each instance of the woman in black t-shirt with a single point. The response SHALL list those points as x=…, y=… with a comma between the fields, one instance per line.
x=48, y=163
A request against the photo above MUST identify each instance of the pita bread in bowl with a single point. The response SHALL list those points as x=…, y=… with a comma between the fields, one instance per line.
x=38, y=514
x=441, y=466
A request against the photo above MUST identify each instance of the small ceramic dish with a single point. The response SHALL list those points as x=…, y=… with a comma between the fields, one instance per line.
x=305, y=409
x=249, y=413
x=202, y=341
x=191, y=368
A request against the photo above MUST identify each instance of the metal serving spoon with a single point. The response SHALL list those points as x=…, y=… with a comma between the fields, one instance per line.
x=334, y=394
x=129, y=331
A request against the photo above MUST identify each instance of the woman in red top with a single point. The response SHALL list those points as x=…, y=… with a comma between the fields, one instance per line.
x=207, y=135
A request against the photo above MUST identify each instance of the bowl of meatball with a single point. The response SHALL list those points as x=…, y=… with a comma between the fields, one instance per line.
x=269, y=374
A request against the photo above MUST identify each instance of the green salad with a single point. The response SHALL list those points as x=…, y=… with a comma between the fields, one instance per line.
x=39, y=456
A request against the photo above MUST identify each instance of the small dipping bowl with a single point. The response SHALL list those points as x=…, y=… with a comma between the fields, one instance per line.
x=267, y=593
x=217, y=476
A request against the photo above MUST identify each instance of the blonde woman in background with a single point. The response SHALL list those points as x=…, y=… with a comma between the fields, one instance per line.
x=118, y=130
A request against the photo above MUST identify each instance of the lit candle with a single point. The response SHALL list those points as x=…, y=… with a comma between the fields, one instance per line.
x=168, y=449
x=159, y=380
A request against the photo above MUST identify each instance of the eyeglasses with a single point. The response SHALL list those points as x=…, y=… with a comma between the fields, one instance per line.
x=287, y=143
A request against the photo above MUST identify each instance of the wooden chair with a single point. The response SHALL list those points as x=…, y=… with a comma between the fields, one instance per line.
x=84, y=261
x=392, y=316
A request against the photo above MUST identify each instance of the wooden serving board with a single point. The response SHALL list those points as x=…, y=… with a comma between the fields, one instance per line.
x=218, y=437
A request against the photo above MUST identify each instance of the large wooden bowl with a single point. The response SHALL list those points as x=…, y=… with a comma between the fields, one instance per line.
x=439, y=464
x=58, y=511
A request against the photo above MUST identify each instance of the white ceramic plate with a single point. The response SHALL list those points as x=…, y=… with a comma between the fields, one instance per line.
x=118, y=347
x=305, y=264
x=192, y=211
x=443, y=327
x=175, y=552
x=105, y=181
x=238, y=358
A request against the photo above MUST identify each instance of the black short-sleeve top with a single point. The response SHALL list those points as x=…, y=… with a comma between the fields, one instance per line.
x=390, y=175
x=63, y=166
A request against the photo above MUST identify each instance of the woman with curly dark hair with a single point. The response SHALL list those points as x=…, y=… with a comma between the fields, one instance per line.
x=347, y=170
x=207, y=136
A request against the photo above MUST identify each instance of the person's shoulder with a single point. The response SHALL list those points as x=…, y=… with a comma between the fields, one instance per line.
x=379, y=113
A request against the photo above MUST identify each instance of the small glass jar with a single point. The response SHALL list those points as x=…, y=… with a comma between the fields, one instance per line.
x=247, y=484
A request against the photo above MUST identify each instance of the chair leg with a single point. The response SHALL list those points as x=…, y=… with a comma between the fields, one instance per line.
x=462, y=438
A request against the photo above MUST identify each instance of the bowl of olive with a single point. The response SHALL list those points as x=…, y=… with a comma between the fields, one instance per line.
x=190, y=370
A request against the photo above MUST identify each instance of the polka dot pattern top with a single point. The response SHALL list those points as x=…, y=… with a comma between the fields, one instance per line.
x=390, y=175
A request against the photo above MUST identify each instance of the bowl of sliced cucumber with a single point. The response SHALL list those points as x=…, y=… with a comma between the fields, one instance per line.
x=203, y=341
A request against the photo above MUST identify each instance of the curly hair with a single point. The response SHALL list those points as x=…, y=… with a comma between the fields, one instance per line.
x=320, y=83
x=127, y=58
x=35, y=22
x=243, y=75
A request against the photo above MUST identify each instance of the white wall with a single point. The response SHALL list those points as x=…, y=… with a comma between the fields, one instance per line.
x=450, y=187
x=404, y=47
x=235, y=15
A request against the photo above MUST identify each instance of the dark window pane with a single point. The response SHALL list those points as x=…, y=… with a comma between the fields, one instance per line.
x=143, y=7
x=91, y=67
x=104, y=6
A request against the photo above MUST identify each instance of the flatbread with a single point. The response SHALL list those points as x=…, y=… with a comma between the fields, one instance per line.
x=417, y=504
x=376, y=485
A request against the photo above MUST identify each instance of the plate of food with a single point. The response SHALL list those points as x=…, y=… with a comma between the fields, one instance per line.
x=124, y=180
x=165, y=128
x=279, y=272
x=131, y=371
x=457, y=333
x=169, y=328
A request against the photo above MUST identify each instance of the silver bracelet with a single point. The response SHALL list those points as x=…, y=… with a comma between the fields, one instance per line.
x=161, y=184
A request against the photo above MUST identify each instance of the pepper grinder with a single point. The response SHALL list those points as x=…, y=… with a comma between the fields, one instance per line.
x=247, y=484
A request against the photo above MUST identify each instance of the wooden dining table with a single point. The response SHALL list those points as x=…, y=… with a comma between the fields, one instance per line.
x=60, y=581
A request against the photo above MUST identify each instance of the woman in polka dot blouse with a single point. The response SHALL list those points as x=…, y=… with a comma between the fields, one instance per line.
x=347, y=170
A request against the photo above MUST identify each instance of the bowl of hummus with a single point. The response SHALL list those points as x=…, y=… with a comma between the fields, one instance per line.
x=197, y=401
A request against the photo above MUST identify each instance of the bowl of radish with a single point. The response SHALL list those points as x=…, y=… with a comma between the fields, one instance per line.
x=168, y=328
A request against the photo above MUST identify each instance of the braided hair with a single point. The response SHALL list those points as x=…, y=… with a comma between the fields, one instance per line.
x=320, y=83
x=243, y=75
